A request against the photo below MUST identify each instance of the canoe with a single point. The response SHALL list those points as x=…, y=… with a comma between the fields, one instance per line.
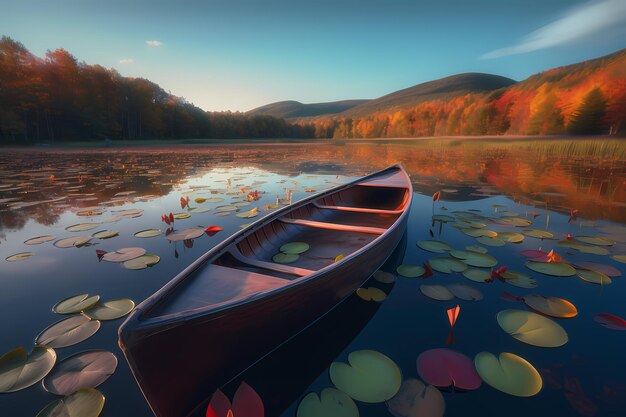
x=234, y=305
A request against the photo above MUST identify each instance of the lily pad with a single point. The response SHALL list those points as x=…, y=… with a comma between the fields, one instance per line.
x=508, y=373
x=595, y=240
x=199, y=210
x=285, y=258
x=581, y=247
x=619, y=258
x=477, y=275
x=539, y=234
x=551, y=306
x=71, y=242
x=75, y=304
x=557, y=269
x=511, y=237
x=519, y=279
x=124, y=254
x=369, y=376
x=415, y=399
x=19, y=370
x=68, y=332
x=594, y=277
x=532, y=328
x=185, y=234
x=105, y=234
x=608, y=270
x=82, y=227
x=228, y=207
x=490, y=241
x=86, y=402
x=436, y=292
x=83, y=370
x=477, y=259
x=465, y=292
x=148, y=233
x=448, y=368
x=331, y=403
x=111, y=310
x=39, y=240
x=384, y=277
x=248, y=214
x=476, y=248
x=447, y=265
x=371, y=294
x=19, y=257
x=410, y=271
x=142, y=262
x=610, y=321
x=435, y=246
x=182, y=216
x=294, y=248
x=514, y=221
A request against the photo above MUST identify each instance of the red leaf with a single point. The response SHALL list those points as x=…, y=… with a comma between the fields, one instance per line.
x=453, y=314
x=247, y=403
x=533, y=253
x=219, y=405
x=436, y=196
x=171, y=218
x=212, y=230
x=100, y=254
x=510, y=297
x=428, y=270
x=610, y=321
x=183, y=202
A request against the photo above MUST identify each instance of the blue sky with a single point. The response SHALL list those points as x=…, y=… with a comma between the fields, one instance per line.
x=240, y=54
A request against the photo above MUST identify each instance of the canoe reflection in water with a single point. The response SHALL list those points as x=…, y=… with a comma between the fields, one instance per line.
x=238, y=302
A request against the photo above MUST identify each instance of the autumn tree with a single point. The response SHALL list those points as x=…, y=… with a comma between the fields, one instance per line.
x=588, y=119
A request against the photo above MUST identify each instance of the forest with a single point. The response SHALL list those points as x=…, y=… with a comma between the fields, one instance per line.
x=57, y=99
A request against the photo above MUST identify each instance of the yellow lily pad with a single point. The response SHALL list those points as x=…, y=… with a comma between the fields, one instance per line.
x=142, y=262
x=19, y=370
x=294, y=248
x=181, y=216
x=105, y=234
x=619, y=258
x=532, y=328
x=86, y=402
x=285, y=258
x=39, y=240
x=476, y=248
x=75, y=304
x=511, y=237
x=371, y=294
x=82, y=227
x=68, y=332
x=508, y=373
x=539, y=234
x=551, y=306
x=111, y=310
x=594, y=277
x=22, y=256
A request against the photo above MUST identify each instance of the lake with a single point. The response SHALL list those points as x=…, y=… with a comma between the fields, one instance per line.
x=566, y=189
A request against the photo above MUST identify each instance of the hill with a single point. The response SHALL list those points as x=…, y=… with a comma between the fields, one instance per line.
x=292, y=109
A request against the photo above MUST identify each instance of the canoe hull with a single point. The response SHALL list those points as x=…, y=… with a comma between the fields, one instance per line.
x=179, y=366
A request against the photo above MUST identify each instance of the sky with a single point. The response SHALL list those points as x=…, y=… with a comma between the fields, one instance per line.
x=240, y=54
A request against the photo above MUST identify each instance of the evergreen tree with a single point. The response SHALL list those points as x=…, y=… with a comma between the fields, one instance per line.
x=588, y=119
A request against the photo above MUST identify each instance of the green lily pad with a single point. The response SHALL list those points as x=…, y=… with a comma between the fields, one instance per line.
x=122, y=255
x=331, y=403
x=68, y=332
x=39, y=240
x=532, y=328
x=148, y=233
x=477, y=259
x=479, y=233
x=83, y=370
x=581, y=247
x=465, y=292
x=557, y=269
x=508, y=373
x=75, y=304
x=519, y=279
x=594, y=277
x=248, y=214
x=82, y=227
x=514, y=221
x=595, y=240
x=370, y=376
x=511, y=237
x=111, y=310
x=539, y=234
x=477, y=275
x=490, y=241
x=435, y=246
x=551, y=306
x=415, y=399
x=19, y=370
x=410, y=271
x=447, y=265
x=294, y=248
x=371, y=294
x=476, y=248
x=285, y=258
x=19, y=257
x=105, y=234
x=72, y=242
x=142, y=262
x=437, y=292
x=86, y=402
x=384, y=277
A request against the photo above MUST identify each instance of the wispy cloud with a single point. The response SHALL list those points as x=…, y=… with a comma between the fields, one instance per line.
x=154, y=43
x=580, y=22
x=126, y=61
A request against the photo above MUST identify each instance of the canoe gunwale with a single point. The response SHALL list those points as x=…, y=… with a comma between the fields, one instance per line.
x=137, y=320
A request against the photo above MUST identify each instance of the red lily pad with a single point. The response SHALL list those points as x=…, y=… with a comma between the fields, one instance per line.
x=448, y=368
x=246, y=403
x=610, y=321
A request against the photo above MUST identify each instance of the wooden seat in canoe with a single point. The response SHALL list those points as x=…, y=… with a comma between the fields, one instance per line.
x=270, y=266
x=334, y=226
x=357, y=209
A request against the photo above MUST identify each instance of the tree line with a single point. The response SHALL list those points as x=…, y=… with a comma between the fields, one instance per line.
x=57, y=99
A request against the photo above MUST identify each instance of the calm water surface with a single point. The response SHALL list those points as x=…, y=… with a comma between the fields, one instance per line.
x=43, y=193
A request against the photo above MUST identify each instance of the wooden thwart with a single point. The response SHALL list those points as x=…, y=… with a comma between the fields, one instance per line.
x=334, y=226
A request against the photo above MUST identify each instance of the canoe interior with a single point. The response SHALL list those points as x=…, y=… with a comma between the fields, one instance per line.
x=332, y=225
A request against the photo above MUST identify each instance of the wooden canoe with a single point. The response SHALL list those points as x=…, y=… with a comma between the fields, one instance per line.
x=234, y=305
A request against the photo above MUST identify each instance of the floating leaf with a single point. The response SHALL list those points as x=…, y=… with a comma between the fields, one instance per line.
x=384, y=277
x=199, y=210
x=39, y=240
x=435, y=246
x=86, y=402
x=142, y=262
x=111, y=310
x=181, y=216
x=148, y=233
x=619, y=258
x=481, y=260
x=246, y=402
x=514, y=221
x=595, y=266
x=594, y=277
x=248, y=214
x=105, y=234
x=75, y=304
x=519, y=279
x=124, y=254
x=465, y=292
x=532, y=328
x=285, y=258
x=229, y=207
x=508, y=373
x=477, y=233
x=610, y=321
x=477, y=275
x=370, y=376
x=539, y=234
x=551, y=306
x=71, y=242
x=331, y=403
x=590, y=249
x=447, y=265
x=339, y=257
x=19, y=370
x=490, y=241
x=19, y=257
x=371, y=294
x=595, y=240
x=410, y=271
x=294, y=248
x=415, y=400
x=476, y=248
x=185, y=234
x=83, y=370
x=557, y=269
x=511, y=237
x=436, y=292
x=82, y=227
x=448, y=368
x=68, y=332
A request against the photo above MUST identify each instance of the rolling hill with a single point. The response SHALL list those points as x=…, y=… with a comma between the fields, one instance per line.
x=292, y=109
